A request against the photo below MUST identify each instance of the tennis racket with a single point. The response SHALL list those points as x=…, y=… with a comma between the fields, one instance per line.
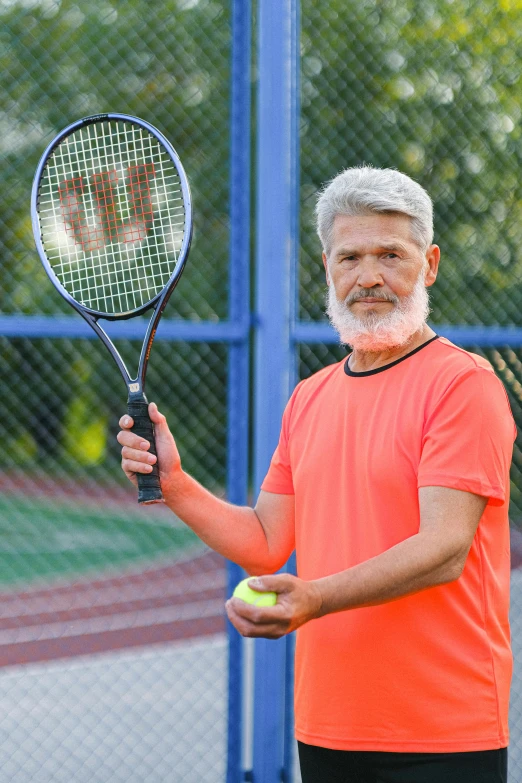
x=112, y=222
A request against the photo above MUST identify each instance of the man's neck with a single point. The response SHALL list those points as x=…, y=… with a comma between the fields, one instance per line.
x=364, y=361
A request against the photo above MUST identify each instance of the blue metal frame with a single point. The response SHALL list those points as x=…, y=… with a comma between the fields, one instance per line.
x=276, y=254
x=288, y=749
x=238, y=356
x=485, y=336
x=168, y=329
x=236, y=331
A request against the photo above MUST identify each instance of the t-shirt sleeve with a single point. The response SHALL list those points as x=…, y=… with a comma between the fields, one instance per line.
x=468, y=438
x=279, y=476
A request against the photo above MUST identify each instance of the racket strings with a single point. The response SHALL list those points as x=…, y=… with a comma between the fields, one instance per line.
x=112, y=216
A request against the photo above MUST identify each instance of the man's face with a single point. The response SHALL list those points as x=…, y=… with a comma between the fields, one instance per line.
x=374, y=256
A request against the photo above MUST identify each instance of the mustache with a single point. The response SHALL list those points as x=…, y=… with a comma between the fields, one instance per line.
x=370, y=295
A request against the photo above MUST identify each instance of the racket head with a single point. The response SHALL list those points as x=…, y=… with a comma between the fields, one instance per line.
x=112, y=215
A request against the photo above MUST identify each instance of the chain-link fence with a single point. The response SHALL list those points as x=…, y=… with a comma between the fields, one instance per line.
x=432, y=89
x=82, y=569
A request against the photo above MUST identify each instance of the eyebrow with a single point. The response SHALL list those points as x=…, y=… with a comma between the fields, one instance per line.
x=387, y=246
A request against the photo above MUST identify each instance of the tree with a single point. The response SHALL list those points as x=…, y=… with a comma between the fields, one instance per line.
x=430, y=88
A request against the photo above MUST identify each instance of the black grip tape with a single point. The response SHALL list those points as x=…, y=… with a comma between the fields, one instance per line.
x=149, y=487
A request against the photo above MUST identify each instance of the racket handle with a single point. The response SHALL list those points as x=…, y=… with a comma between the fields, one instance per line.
x=149, y=487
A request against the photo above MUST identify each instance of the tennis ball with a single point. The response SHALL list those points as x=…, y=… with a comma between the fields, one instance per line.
x=250, y=596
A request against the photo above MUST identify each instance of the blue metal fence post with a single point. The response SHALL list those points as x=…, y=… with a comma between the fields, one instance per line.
x=294, y=371
x=238, y=355
x=274, y=354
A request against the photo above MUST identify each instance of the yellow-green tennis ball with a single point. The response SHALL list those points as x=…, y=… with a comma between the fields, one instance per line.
x=246, y=593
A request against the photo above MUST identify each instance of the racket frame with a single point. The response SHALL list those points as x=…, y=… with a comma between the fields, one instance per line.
x=136, y=385
x=162, y=297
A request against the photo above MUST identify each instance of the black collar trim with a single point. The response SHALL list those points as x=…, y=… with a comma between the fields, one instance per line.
x=386, y=366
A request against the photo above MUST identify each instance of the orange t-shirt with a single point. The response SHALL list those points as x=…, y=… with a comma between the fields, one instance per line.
x=429, y=672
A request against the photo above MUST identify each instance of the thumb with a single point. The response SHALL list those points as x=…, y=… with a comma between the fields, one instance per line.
x=156, y=417
x=277, y=583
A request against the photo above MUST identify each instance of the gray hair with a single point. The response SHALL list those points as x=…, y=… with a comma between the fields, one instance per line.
x=365, y=190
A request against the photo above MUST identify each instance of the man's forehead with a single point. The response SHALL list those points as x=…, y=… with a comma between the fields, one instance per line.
x=384, y=228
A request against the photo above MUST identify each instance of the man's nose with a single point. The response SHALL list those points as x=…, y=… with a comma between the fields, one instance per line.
x=369, y=273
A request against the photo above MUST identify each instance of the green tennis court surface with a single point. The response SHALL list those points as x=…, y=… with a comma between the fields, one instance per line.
x=42, y=539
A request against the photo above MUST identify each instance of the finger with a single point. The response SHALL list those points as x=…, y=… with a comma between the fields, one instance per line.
x=242, y=609
x=138, y=456
x=132, y=440
x=256, y=614
x=156, y=417
x=249, y=629
x=245, y=626
x=126, y=422
x=131, y=466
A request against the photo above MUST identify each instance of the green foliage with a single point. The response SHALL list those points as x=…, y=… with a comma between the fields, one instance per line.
x=432, y=89
x=167, y=62
x=164, y=61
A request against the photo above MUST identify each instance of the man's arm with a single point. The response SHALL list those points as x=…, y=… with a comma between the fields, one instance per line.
x=259, y=539
x=434, y=556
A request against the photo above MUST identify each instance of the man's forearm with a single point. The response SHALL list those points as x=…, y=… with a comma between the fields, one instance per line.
x=233, y=531
x=412, y=565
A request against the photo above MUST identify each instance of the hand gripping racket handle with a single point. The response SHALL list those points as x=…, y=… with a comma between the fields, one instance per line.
x=149, y=488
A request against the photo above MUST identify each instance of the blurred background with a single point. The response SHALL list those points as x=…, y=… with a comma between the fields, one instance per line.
x=113, y=644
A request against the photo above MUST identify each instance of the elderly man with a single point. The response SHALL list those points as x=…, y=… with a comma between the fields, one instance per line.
x=391, y=480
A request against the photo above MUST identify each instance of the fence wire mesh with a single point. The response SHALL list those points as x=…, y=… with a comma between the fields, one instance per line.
x=112, y=633
x=432, y=89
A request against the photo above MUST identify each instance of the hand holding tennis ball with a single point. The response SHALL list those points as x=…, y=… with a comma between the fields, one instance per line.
x=250, y=596
x=287, y=603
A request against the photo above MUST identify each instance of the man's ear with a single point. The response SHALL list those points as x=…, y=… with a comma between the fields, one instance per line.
x=433, y=258
x=325, y=264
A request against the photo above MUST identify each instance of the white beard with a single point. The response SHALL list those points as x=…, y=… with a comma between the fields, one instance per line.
x=374, y=332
